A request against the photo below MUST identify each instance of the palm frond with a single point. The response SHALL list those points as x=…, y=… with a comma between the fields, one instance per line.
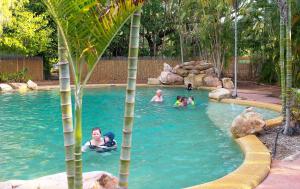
x=88, y=27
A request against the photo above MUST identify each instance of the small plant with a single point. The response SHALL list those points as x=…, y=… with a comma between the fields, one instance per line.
x=20, y=76
x=295, y=108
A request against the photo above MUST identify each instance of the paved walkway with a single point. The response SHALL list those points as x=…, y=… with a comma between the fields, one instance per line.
x=284, y=174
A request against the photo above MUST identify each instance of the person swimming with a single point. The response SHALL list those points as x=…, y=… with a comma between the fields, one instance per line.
x=191, y=101
x=109, y=140
x=178, y=101
x=157, y=97
x=189, y=87
x=96, y=142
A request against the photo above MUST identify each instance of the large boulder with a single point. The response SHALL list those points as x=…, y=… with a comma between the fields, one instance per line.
x=153, y=81
x=198, y=82
x=21, y=87
x=210, y=71
x=191, y=63
x=91, y=180
x=195, y=72
x=227, y=83
x=32, y=85
x=219, y=94
x=170, y=78
x=203, y=66
x=211, y=81
x=189, y=79
x=167, y=67
x=247, y=123
x=5, y=87
x=180, y=71
x=18, y=85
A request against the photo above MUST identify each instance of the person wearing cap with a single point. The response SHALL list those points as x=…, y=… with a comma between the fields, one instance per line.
x=157, y=97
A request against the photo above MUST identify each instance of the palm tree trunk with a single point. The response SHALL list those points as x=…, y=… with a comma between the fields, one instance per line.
x=282, y=68
x=235, y=50
x=130, y=100
x=288, y=70
x=181, y=47
x=78, y=137
x=66, y=109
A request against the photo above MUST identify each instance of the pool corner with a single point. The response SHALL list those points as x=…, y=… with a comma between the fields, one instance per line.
x=257, y=159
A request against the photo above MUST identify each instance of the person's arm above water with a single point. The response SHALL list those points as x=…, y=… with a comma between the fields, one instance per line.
x=153, y=99
x=85, y=146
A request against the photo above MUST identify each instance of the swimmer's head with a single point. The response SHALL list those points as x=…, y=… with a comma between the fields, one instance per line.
x=158, y=92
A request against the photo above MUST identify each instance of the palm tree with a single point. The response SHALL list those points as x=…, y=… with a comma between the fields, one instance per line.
x=282, y=60
x=235, y=47
x=130, y=100
x=66, y=109
x=87, y=28
x=288, y=68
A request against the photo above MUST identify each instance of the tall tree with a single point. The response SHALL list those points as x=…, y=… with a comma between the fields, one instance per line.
x=288, y=68
x=66, y=109
x=87, y=28
x=130, y=100
x=282, y=9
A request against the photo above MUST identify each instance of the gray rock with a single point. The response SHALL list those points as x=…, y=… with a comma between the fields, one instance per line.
x=167, y=67
x=91, y=180
x=170, y=78
x=211, y=81
x=195, y=72
x=32, y=85
x=153, y=81
x=204, y=66
x=219, y=94
x=227, y=83
x=5, y=87
x=248, y=122
x=198, y=82
x=181, y=72
x=189, y=79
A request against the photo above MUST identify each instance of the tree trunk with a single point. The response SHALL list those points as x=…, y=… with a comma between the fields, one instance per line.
x=287, y=129
x=78, y=136
x=130, y=100
x=181, y=47
x=66, y=109
x=235, y=51
x=282, y=68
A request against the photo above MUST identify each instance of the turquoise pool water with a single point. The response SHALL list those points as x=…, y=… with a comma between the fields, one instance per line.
x=172, y=148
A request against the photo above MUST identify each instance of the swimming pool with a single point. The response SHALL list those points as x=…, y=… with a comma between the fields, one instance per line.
x=172, y=148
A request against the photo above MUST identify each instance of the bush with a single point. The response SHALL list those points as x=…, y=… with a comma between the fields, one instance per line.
x=296, y=105
x=20, y=76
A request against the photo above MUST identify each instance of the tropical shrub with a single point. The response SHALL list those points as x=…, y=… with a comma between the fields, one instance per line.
x=20, y=76
x=296, y=106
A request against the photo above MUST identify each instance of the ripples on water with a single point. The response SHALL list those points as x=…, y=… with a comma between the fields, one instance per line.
x=172, y=147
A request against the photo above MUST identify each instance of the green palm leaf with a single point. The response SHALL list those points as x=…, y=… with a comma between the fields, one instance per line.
x=88, y=26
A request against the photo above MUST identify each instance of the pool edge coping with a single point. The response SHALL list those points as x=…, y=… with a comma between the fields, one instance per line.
x=257, y=156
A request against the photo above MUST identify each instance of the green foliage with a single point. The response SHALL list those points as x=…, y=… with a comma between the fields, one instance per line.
x=25, y=33
x=296, y=105
x=20, y=76
x=88, y=28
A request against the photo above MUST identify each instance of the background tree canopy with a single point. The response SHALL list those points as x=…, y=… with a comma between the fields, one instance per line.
x=206, y=28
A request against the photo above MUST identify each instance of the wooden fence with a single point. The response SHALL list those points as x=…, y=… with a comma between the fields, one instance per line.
x=115, y=70
x=246, y=69
x=34, y=66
